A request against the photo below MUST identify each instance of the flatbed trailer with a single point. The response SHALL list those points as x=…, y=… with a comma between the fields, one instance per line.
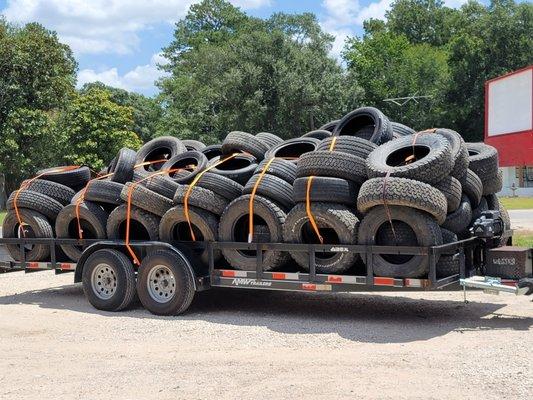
x=176, y=266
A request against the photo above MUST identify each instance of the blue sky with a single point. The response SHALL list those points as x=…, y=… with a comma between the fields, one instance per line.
x=118, y=41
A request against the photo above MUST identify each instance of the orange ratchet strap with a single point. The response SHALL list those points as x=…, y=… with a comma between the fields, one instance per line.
x=308, y=210
x=252, y=196
x=24, y=186
x=191, y=186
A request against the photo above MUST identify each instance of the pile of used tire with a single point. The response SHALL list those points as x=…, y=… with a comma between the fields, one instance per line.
x=359, y=180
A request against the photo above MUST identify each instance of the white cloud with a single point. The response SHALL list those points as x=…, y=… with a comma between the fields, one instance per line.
x=373, y=10
x=140, y=79
x=103, y=26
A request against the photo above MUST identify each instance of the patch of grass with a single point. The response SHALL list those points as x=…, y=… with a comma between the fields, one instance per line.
x=523, y=238
x=517, y=203
x=2, y=216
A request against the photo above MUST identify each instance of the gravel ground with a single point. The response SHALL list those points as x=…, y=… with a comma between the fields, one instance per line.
x=256, y=344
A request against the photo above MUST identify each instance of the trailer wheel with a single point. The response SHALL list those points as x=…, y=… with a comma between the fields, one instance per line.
x=108, y=280
x=165, y=284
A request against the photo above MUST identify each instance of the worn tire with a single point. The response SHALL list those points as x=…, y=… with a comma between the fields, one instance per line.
x=219, y=184
x=483, y=160
x=292, y=149
x=319, y=134
x=337, y=224
x=334, y=164
x=476, y=212
x=160, y=184
x=160, y=148
x=269, y=139
x=104, y=192
x=460, y=219
x=366, y=122
x=197, y=160
x=146, y=199
x=233, y=227
x=402, y=192
x=349, y=144
x=35, y=201
x=123, y=166
x=283, y=169
x=193, y=145
x=36, y=225
x=56, y=191
x=451, y=189
x=327, y=190
x=74, y=179
x=473, y=188
x=420, y=230
x=201, y=198
x=433, y=164
x=401, y=129
x=174, y=227
x=240, y=168
x=145, y=225
x=93, y=220
x=448, y=265
x=237, y=141
x=212, y=151
x=493, y=185
x=273, y=188
x=459, y=153
x=329, y=126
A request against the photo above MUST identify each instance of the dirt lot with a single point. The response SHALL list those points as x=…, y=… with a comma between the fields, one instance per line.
x=253, y=344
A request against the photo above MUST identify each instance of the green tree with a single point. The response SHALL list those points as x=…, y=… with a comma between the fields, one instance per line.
x=229, y=71
x=95, y=128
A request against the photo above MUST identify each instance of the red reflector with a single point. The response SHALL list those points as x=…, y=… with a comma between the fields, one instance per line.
x=308, y=286
x=508, y=282
x=228, y=273
x=65, y=266
x=278, y=275
x=384, y=281
x=33, y=265
x=334, y=279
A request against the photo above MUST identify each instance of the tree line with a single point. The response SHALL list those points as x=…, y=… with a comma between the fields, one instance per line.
x=228, y=71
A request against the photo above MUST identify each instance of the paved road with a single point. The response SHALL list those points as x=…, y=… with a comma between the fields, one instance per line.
x=521, y=219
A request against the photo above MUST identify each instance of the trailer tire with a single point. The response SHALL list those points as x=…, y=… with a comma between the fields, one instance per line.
x=402, y=192
x=56, y=191
x=459, y=220
x=337, y=224
x=233, y=227
x=334, y=164
x=74, y=178
x=473, y=188
x=146, y=199
x=201, y=198
x=112, y=272
x=93, y=220
x=104, y=192
x=143, y=225
x=366, y=122
x=219, y=184
x=448, y=265
x=165, y=284
x=412, y=228
x=273, y=188
x=35, y=201
x=348, y=144
x=494, y=203
x=319, y=134
x=237, y=141
x=37, y=226
x=451, y=189
x=283, y=169
x=326, y=189
x=269, y=139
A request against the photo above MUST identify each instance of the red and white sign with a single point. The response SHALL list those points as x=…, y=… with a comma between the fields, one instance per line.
x=509, y=117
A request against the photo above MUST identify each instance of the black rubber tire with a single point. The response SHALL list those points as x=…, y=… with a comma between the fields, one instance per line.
x=56, y=191
x=355, y=122
x=160, y=148
x=494, y=185
x=349, y=144
x=240, y=168
x=212, y=151
x=237, y=141
x=451, y=189
x=334, y=164
x=329, y=126
x=146, y=199
x=448, y=265
x=459, y=153
x=460, y=219
x=74, y=179
x=473, y=188
x=292, y=149
x=146, y=226
x=35, y=201
x=36, y=226
x=326, y=189
x=273, y=188
x=337, y=224
x=283, y=169
x=123, y=165
x=402, y=192
x=193, y=145
x=268, y=220
x=401, y=129
x=174, y=227
x=269, y=139
x=184, y=280
x=476, y=212
x=160, y=184
x=93, y=220
x=483, y=160
x=197, y=160
x=125, y=280
x=422, y=231
x=201, y=198
x=319, y=134
x=494, y=203
x=104, y=192
x=434, y=162
x=225, y=187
